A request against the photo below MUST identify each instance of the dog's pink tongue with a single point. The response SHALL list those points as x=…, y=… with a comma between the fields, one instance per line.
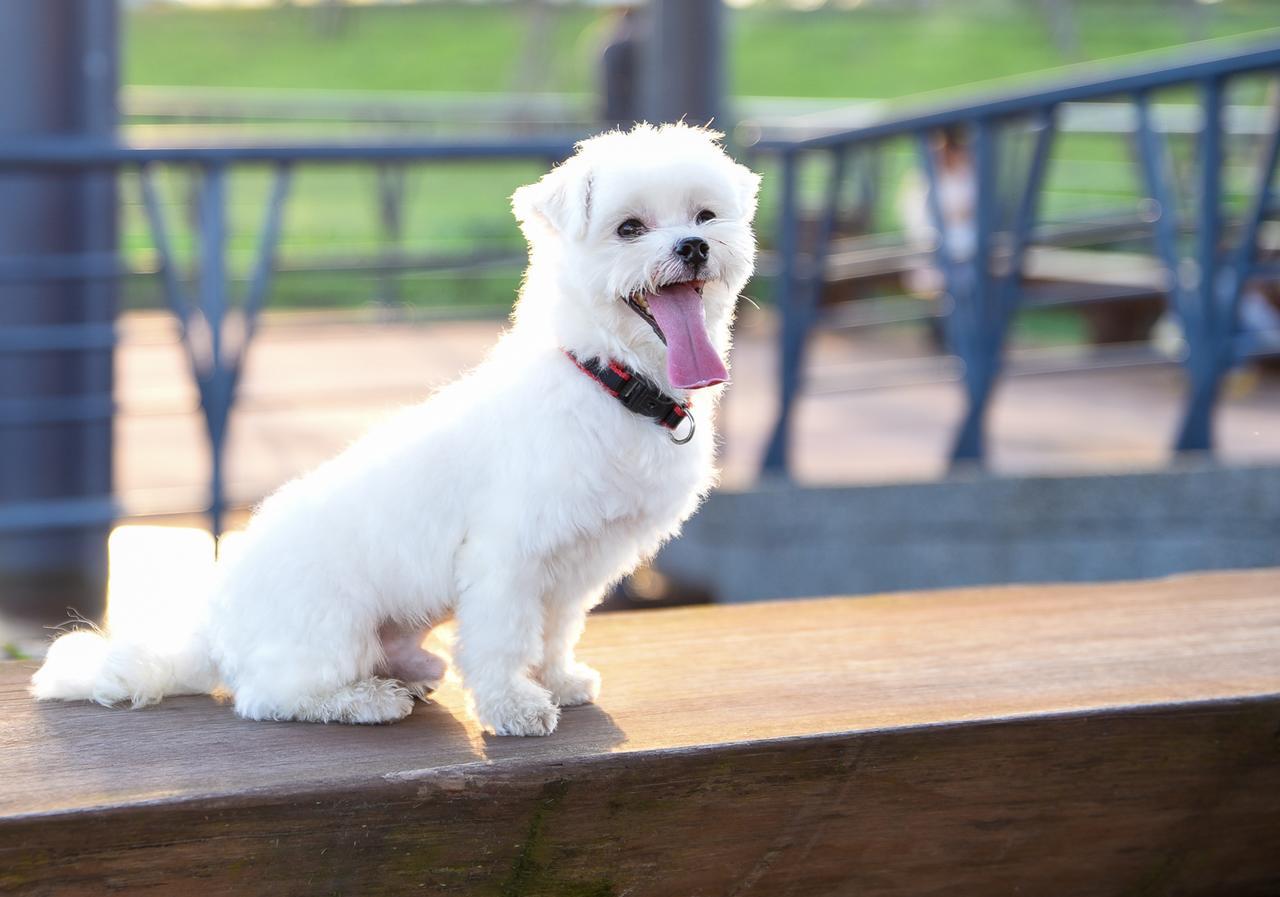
x=692, y=362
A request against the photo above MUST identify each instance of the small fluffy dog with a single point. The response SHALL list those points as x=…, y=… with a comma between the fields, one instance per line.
x=510, y=500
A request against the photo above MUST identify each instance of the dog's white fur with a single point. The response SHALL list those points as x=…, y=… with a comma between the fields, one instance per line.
x=511, y=499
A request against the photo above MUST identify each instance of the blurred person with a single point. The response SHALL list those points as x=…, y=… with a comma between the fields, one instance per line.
x=620, y=70
x=957, y=200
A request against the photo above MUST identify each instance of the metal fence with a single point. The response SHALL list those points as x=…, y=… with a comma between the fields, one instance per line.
x=216, y=327
x=1208, y=256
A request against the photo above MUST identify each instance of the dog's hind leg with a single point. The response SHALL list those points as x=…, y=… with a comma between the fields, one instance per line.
x=368, y=701
x=315, y=674
x=372, y=700
x=406, y=659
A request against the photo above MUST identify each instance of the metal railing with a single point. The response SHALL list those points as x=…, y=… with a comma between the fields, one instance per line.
x=216, y=327
x=1205, y=278
x=985, y=288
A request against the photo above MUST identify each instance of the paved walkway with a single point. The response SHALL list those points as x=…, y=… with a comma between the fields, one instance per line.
x=315, y=381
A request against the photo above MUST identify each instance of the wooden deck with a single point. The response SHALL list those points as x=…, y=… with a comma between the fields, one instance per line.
x=1106, y=739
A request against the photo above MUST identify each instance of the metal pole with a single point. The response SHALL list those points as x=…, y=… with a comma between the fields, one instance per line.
x=60, y=58
x=1206, y=344
x=791, y=335
x=974, y=298
x=683, y=61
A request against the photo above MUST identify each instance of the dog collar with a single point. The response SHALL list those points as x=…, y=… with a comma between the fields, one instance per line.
x=637, y=394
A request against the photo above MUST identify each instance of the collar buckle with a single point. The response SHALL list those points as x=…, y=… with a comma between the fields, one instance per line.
x=638, y=395
x=643, y=398
x=629, y=389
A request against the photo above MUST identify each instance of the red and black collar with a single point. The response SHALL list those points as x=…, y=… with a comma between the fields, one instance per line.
x=637, y=394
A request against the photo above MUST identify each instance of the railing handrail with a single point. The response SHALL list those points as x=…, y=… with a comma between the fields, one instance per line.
x=63, y=152
x=1087, y=81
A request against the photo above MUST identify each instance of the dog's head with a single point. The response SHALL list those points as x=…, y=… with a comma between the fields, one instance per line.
x=645, y=237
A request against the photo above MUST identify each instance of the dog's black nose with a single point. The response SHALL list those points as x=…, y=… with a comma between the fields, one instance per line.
x=693, y=250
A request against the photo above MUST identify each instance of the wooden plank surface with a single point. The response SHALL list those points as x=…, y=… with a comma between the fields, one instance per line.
x=947, y=742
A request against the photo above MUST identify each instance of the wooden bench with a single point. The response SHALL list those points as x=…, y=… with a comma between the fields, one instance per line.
x=1099, y=739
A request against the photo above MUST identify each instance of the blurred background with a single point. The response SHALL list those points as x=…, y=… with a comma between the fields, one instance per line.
x=1016, y=316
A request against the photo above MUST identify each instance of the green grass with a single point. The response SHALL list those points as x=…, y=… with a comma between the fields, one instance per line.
x=10, y=651
x=878, y=52
x=897, y=50
x=440, y=48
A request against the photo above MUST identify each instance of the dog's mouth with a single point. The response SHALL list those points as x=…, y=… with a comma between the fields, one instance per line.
x=639, y=302
x=676, y=314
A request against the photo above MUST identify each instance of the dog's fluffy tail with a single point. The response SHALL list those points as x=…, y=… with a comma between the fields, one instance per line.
x=114, y=668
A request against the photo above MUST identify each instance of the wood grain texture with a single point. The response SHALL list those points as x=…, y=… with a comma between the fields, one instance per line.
x=1107, y=739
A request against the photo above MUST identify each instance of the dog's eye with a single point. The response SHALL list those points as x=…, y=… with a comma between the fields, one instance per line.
x=631, y=228
x=704, y=216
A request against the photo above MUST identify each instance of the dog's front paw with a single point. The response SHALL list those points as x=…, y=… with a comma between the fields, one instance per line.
x=524, y=710
x=579, y=684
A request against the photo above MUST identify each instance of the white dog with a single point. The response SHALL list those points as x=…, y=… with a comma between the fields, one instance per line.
x=511, y=499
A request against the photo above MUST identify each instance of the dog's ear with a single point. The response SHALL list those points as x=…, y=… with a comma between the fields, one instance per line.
x=560, y=202
x=748, y=190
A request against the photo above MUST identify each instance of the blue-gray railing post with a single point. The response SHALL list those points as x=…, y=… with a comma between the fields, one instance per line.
x=799, y=307
x=213, y=307
x=791, y=339
x=972, y=302
x=58, y=62
x=1026, y=216
x=1205, y=362
x=869, y=184
x=392, y=181
x=265, y=263
x=1158, y=176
